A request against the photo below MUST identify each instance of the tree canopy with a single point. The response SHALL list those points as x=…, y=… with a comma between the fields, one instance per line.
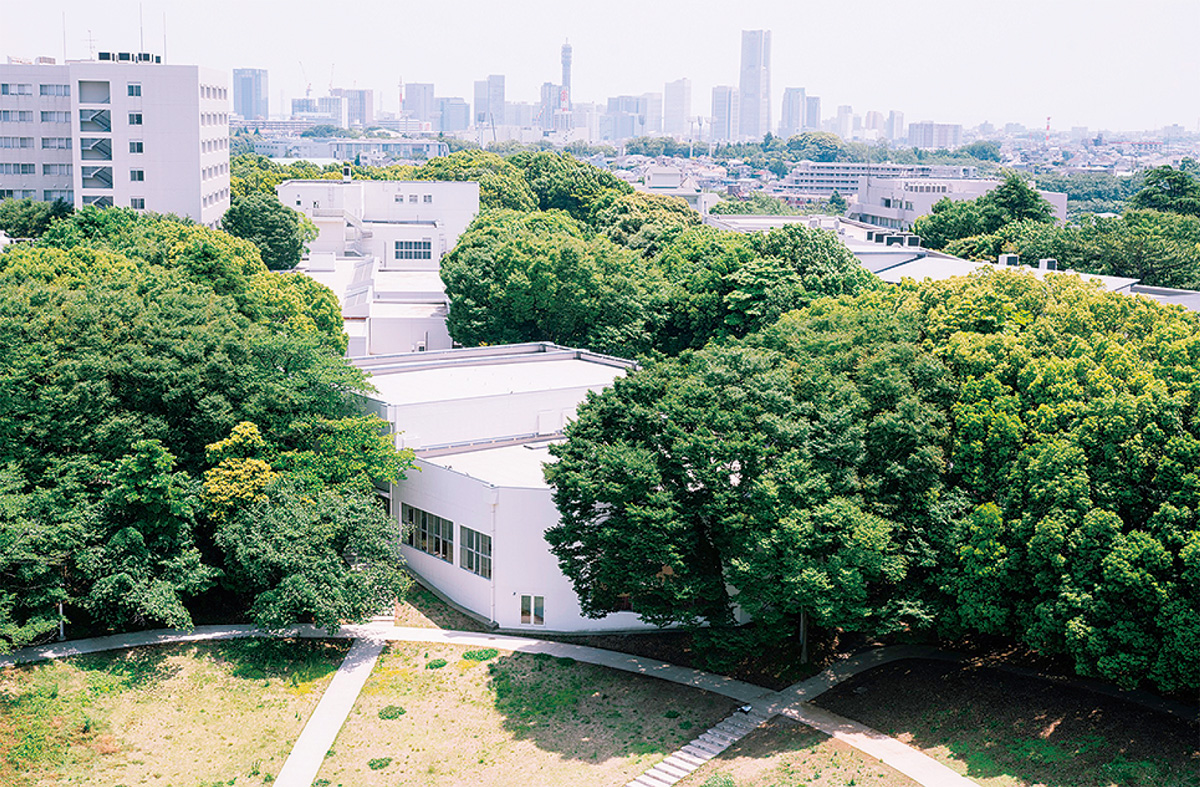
x=1012, y=201
x=28, y=218
x=279, y=232
x=996, y=454
x=132, y=345
x=1168, y=189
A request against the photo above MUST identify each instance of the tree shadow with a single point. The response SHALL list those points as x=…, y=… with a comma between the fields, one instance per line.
x=585, y=712
x=1039, y=732
x=297, y=660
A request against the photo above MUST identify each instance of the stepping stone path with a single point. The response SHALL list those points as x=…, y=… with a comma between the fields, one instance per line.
x=710, y=743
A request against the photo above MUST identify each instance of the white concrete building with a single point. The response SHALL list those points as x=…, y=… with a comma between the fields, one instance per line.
x=379, y=249
x=898, y=202
x=674, y=182
x=124, y=129
x=475, y=511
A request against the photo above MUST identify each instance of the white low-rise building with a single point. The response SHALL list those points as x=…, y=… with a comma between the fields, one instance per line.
x=477, y=506
x=898, y=202
x=380, y=249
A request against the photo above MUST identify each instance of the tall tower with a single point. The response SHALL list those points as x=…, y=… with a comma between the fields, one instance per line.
x=755, y=85
x=566, y=76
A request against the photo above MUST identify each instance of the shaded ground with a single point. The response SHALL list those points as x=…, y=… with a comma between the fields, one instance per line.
x=1003, y=730
x=785, y=753
x=179, y=714
x=512, y=720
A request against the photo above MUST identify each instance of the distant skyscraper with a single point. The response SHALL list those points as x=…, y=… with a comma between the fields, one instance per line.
x=894, y=128
x=451, y=114
x=812, y=113
x=935, y=136
x=677, y=107
x=845, y=121
x=874, y=121
x=755, y=84
x=418, y=101
x=550, y=100
x=360, y=105
x=489, y=101
x=791, y=120
x=724, y=113
x=566, y=78
x=250, y=92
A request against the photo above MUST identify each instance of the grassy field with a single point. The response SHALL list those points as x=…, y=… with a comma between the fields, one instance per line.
x=1003, y=730
x=509, y=720
x=182, y=715
x=784, y=753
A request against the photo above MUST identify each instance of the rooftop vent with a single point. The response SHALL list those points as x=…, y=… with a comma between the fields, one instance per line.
x=1010, y=259
x=1048, y=264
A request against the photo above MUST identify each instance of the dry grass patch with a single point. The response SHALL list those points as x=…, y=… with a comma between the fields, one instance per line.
x=191, y=714
x=511, y=721
x=784, y=753
x=1005, y=730
x=422, y=609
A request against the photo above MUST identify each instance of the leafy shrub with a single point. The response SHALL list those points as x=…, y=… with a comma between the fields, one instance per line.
x=565, y=661
x=436, y=664
x=481, y=655
x=671, y=714
x=379, y=763
x=391, y=712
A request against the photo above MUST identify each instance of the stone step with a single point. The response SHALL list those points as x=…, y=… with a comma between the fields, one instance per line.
x=669, y=770
x=687, y=766
x=683, y=756
x=704, y=755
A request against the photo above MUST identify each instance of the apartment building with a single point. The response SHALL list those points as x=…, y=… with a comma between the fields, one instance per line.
x=124, y=129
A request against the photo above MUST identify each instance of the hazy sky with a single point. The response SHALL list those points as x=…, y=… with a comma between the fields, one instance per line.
x=1097, y=63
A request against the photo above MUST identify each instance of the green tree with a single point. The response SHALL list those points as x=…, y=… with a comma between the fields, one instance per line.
x=562, y=182
x=1170, y=190
x=816, y=146
x=501, y=184
x=537, y=276
x=837, y=204
x=27, y=218
x=279, y=232
x=640, y=221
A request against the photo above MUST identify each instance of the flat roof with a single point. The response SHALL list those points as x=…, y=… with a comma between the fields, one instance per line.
x=468, y=382
x=517, y=466
x=938, y=267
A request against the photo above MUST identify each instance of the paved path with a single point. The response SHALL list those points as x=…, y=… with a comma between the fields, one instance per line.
x=326, y=720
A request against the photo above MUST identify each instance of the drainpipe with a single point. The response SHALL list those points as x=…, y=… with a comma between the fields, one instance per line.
x=494, y=502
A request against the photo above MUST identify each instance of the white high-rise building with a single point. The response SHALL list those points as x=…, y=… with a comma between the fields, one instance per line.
x=677, y=107
x=724, y=113
x=795, y=102
x=755, y=84
x=123, y=130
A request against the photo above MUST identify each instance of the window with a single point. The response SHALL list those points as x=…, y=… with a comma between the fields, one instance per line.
x=14, y=89
x=17, y=193
x=135, y=89
x=533, y=610
x=16, y=116
x=475, y=552
x=135, y=146
x=55, y=90
x=399, y=198
x=135, y=118
x=56, y=195
x=56, y=143
x=56, y=117
x=137, y=175
x=428, y=199
x=414, y=249
x=18, y=169
x=17, y=142
x=412, y=197
x=56, y=169
x=99, y=201
x=427, y=532
x=137, y=203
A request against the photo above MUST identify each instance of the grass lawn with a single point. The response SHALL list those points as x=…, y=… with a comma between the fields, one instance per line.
x=1003, y=730
x=511, y=720
x=422, y=609
x=784, y=753
x=180, y=715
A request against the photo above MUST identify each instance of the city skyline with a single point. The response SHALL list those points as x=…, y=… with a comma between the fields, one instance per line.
x=1081, y=64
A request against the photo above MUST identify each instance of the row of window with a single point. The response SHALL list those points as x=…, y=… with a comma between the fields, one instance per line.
x=211, y=91
x=215, y=197
x=214, y=145
x=414, y=249
x=22, y=168
x=17, y=193
x=25, y=89
x=48, y=195
x=412, y=198
x=48, y=143
x=434, y=535
x=214, y=118
x=212, y=172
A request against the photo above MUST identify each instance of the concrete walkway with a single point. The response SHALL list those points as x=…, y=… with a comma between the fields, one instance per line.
x=326, y=720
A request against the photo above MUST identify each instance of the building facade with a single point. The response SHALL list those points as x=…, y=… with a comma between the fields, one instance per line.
x=791, y=117
x=473, y=519
x=725, y=113
x=250, y=92
x=754, y=85
x=677, y=107
x=935, y=136
x=124, y=129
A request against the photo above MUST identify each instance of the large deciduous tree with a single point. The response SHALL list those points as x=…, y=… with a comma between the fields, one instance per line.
x=279, y=232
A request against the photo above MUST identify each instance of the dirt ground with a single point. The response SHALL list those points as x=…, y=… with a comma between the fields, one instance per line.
x=1005, y=730
x=513, y=720
x=785, y=753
